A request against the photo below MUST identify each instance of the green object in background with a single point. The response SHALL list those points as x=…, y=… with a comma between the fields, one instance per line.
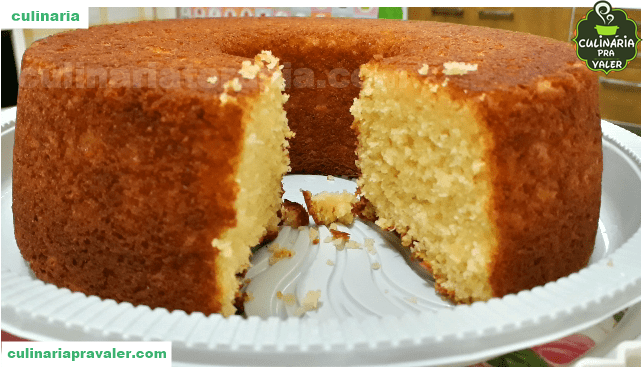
x=390, y=13
x=522, y=358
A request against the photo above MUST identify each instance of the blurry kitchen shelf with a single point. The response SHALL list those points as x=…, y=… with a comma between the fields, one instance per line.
x=541, y=21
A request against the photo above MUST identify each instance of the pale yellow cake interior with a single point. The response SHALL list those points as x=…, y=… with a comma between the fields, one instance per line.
x=263, y=162
x=333, y=207
x=422, y=158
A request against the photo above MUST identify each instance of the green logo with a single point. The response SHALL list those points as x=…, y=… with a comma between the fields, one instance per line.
x=606, y=39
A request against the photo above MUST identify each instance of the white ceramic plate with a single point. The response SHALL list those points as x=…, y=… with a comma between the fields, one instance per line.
x=388, y=316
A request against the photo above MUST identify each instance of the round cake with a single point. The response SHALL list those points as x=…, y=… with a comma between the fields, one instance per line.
x=148, y=156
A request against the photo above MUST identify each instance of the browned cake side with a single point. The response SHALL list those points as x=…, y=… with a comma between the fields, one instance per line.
x=124, y=202
x=547, y=188
x=121, y=185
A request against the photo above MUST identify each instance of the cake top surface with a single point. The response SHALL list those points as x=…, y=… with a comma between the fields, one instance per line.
x=471, y=58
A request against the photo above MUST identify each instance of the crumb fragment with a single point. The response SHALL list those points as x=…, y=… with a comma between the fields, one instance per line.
x=376, y=266
x=364, y=209
x=277, y=253
x=339, y=244
x=310, y=302
x=352, y=244
x=249, y=70
x=330, y=263
x=458, y=68
x=369, y=244
x=326, y=208
x=424, y=70
x=288, y=299
x=233, y=84
x=339, y=234
x=312, y=299
x=212, y=80
x=268, y=57
x=330, y=178
x=413, y=300
x=341, y=240
x=293, y=214
x=313, y=235
x=225, y=98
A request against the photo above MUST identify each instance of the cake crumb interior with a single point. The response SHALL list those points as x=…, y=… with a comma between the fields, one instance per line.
x=327, y=208
x=422, y=158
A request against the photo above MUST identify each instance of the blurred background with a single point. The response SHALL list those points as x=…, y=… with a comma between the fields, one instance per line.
x=620, y=92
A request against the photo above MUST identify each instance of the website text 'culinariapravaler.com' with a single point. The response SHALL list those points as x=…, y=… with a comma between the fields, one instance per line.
x=84, y=353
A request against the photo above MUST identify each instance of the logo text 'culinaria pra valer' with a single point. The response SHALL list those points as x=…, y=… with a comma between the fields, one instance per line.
x=606, y=39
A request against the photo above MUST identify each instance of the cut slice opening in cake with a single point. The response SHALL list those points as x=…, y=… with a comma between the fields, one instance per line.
x=423, y=169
